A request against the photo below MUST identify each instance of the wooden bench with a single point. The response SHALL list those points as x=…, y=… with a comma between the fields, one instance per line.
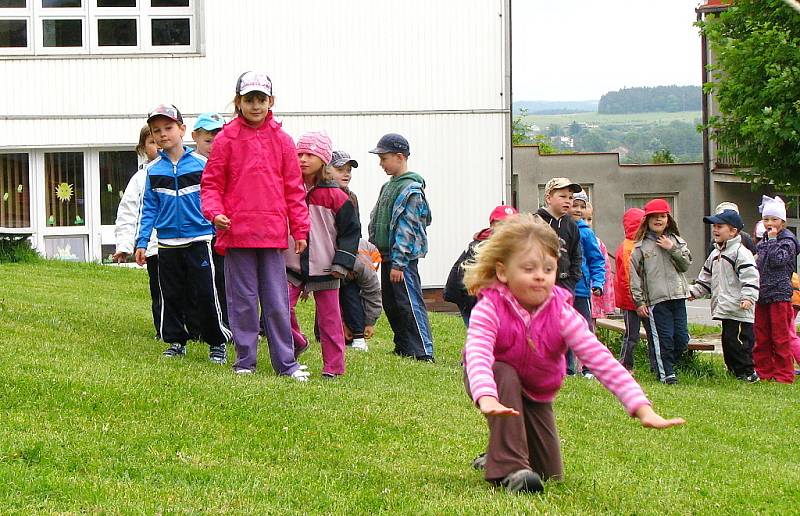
x=618, y=325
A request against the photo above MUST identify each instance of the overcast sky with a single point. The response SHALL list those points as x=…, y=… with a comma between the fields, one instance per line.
x=580, y=49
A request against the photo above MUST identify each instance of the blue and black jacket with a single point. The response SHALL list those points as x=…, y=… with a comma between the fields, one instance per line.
x=171, y=201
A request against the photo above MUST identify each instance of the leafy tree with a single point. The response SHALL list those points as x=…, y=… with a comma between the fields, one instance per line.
x=520, y=129
x=554, y=130
x=662, y=156
x=545, y=145
x=575, y=129
x=756, y=81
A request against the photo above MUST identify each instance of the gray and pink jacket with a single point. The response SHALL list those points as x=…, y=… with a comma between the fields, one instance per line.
x=332, y=239
x=534, y=344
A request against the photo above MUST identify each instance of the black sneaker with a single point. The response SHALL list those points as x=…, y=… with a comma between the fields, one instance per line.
x=750, y=378
x=176, y=349
x=523, y=481
x=671, y=380
x=479, y=462
x=218, y=354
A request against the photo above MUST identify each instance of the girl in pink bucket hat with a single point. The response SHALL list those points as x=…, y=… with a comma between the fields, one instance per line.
x=659, y=261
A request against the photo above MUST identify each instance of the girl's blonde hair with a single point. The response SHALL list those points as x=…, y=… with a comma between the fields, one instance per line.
x=509, y=236
x=143, y=134
x=671, y=229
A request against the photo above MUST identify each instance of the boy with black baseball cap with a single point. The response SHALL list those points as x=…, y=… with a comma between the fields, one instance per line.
x=402, y=241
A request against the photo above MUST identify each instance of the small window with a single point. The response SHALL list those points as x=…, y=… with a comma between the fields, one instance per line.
x=639, y=200
x=116, y=3
x=12, y=4
x=15, y=197
x=13, y=33
x=62, y=33
x=64, y=192
x=116, y=33
x=59, y=4
x=171, y=32
x=67, y=248
x=116, y=169
x=169, y=3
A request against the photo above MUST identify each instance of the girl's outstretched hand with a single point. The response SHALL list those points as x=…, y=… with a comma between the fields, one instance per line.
x=649, y=419
x=491, y=407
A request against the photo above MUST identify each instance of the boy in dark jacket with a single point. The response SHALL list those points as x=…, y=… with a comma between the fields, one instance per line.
x=454, y=290
x=556, y=212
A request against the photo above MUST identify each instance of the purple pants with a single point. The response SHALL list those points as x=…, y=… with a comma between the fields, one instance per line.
x=253, y=275
x=331, y=333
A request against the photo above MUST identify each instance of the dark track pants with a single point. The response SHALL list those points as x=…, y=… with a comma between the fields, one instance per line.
x=405, y=308
x=155, y=292
x=527, y=441
x=189, y=269
x=631, y=338
x=737, y=347
x=352, y=308
x=669, y=328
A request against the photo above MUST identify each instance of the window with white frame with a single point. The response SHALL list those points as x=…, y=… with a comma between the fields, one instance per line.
x=52, y=27
x=639, y=200
x=15, y=197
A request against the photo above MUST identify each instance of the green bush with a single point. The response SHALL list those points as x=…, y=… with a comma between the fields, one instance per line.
x=16, y=249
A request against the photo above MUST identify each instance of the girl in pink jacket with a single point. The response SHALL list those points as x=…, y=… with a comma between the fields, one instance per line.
x=518, y=336
x=250, y=188
x=331, y=253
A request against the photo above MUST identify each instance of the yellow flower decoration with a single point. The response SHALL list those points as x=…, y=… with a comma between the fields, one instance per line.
x=64, y=192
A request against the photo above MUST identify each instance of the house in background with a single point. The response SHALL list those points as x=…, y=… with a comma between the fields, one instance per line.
x=79, y=77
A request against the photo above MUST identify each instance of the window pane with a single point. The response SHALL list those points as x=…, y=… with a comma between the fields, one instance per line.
x=15, y=200
x=69, y=248
x=62, y=33
x=170, y=31
x=18, y=4
x=13, y=33
x=116, y=169
x=64, y=194
x=169, y=3
x=116, y=3
x=61, y=3
x=116, y=33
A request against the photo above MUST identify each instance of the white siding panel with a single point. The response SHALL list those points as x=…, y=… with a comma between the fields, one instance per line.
x=359, y=55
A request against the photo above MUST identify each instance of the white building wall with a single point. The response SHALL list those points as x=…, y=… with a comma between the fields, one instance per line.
x=433, y=71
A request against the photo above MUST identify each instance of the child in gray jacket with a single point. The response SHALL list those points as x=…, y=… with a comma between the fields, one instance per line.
x=730, y=277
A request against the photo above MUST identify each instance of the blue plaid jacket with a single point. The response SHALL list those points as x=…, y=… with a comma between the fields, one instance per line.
x=411, y=215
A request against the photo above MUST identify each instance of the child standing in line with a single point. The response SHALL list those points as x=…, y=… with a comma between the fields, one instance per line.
x=730, y=277
x=341, y=171
x=454, y=290
x=171, y=205
x=631, y=220
x=593, y=267
x=603, y=305
x=127, y=222
x=774, y=321
x=252, y=190
x=398, y=228
x=330, y=256
x=659, y=261
x=514, y=356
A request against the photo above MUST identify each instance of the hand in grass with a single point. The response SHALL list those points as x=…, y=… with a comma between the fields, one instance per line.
x=649, y=419
x=491, y=407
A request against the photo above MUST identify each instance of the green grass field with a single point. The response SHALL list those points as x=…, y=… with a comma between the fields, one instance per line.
x=93, y=420
x=624, y=119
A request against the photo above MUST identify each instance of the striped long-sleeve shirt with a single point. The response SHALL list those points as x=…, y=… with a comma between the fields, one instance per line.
x=535, y=343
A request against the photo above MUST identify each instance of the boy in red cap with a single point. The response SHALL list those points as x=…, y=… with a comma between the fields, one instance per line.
x=659, y=261
x=454, y=290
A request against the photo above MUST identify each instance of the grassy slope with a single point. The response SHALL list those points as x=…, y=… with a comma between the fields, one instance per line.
x=93, y=420
x=626, y=119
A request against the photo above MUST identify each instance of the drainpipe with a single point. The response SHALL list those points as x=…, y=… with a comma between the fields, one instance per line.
x=706, y=150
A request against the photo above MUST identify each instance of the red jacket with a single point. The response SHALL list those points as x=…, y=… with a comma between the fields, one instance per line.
x=253, y=178
x=622, y=280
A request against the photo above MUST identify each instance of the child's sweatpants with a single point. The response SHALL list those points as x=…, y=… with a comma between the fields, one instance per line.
x=253, y=276
x=795, y=340
x=183, y=269
x=329, y=319
x=669, y=328
x=527, y=441
x=405, y=308
x=737, y=347
x=631, y=338
x=772, y=353
x=352, y=308
x=155, y=292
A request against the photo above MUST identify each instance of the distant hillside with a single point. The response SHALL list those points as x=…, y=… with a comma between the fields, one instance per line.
x=554, y=106
x=670, y=99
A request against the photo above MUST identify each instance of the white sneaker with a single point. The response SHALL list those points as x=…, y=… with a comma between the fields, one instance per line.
x=303, y=367
x=360, y=344
x=243, y=371
x=300, y=375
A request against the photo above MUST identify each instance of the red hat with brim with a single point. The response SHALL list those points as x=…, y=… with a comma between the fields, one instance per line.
x=657, y=206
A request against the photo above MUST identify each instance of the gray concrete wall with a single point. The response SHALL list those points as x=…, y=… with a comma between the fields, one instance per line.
x=609, y=183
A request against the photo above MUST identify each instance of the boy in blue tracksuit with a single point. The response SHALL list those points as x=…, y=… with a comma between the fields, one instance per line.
x=593, y=265
x=171, y=205
x=397, y=227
